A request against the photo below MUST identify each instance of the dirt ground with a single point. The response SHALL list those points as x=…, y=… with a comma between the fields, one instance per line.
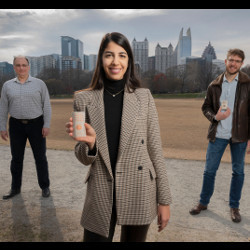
x=183, y=128
x=29, y=217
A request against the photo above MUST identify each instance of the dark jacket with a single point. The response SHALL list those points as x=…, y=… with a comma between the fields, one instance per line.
x=241, y=113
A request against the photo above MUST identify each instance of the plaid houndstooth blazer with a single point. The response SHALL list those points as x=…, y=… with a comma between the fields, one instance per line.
x=141, y=181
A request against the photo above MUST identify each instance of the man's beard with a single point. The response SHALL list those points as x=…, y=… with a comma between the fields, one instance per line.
x=232, y=72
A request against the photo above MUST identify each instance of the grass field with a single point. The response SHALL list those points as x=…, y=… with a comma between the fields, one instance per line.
x=183, y=128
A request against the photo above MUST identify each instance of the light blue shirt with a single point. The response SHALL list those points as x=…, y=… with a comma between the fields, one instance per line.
x=224, y=128
x=24, y=101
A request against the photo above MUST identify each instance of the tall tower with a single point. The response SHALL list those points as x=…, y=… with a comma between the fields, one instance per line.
x=163, y=58
x=72, y=49
x=140, y=51
x=184, y=46
x=209, y=53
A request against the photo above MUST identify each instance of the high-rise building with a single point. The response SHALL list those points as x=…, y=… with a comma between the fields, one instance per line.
x=70, y=62
x=151, y=63
x=92, y=61
x=209, y=53
x=6, y=70
x=164, y=58
x=71, y=50
x=220, y=64
x=140, y=51
x=86, y=62
x=39, y=63
x=71, y=47
x=184, y=47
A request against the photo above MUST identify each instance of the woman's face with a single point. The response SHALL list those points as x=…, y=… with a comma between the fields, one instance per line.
x=115, y=61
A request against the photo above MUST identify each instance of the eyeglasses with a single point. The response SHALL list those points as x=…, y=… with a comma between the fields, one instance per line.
x=236, y=61
x=21, y=65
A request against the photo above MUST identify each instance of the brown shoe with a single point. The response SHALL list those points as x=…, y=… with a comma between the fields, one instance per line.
x=197, y=209
x=235, y=214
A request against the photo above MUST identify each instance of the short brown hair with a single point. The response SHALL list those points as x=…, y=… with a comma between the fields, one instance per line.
x=236, y=52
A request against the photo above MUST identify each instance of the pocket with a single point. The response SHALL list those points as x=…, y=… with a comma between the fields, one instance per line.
x=152, y=172
x=87, y=177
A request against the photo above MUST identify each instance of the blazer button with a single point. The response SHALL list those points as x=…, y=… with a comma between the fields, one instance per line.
x=142, y=141
x=140, y=168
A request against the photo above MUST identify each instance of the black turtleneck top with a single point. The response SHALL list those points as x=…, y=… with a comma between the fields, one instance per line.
x=113, y=113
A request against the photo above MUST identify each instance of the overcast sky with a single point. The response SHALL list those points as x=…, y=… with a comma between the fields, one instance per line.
x=35, y=32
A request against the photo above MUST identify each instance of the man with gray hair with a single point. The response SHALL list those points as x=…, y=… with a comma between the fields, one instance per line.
x=27, y=101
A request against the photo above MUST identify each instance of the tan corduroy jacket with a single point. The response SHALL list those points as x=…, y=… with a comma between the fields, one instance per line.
x=141, y=181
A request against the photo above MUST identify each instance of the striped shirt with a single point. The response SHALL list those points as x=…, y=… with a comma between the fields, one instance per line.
x=27, y=100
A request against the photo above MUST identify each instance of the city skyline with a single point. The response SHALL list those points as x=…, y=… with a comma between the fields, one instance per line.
x=37, y=32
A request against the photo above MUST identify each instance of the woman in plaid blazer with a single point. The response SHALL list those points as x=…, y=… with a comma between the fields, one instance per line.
x=127, y=181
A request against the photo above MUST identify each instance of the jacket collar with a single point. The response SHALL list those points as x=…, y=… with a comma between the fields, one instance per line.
x=242, y=78
x=129, y=115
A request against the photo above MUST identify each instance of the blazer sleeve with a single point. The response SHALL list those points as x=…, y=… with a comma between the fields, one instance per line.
x=156, y=154
x=82, y=151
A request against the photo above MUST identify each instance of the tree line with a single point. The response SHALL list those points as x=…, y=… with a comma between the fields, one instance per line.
x=190, y=78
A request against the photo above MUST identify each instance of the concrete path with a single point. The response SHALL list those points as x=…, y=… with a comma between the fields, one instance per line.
x=30, y=217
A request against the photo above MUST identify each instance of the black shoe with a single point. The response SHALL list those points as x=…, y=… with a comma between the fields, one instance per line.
x=46, y=192
x=11, y=194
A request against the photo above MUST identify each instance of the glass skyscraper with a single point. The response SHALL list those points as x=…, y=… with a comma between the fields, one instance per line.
x=183, y=48
x=72, y=51
x=71, y=47
x=140, y=51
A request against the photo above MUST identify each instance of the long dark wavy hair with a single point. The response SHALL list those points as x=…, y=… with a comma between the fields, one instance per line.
x=131, y=80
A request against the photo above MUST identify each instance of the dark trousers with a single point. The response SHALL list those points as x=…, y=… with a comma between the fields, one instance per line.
x=19, y=133
x=128, y=233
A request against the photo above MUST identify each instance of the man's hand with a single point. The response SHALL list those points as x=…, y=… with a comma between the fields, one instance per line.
x=45, y=132
x=4, y=135
x=248, y=147
x=222, y=115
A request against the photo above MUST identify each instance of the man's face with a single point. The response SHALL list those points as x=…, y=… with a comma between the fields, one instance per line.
x=233, y=64
x=21, y=67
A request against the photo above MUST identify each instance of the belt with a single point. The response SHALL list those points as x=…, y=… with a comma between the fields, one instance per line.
x=26, y=121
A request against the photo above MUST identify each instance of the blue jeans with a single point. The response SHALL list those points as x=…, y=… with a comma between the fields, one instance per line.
x=215, y=152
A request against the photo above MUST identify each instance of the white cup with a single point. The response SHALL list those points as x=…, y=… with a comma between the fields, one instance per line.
x=78, y=124
x=224, y=105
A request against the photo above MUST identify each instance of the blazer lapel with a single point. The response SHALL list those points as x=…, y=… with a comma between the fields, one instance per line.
x=129, y=114
x=96, y=115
